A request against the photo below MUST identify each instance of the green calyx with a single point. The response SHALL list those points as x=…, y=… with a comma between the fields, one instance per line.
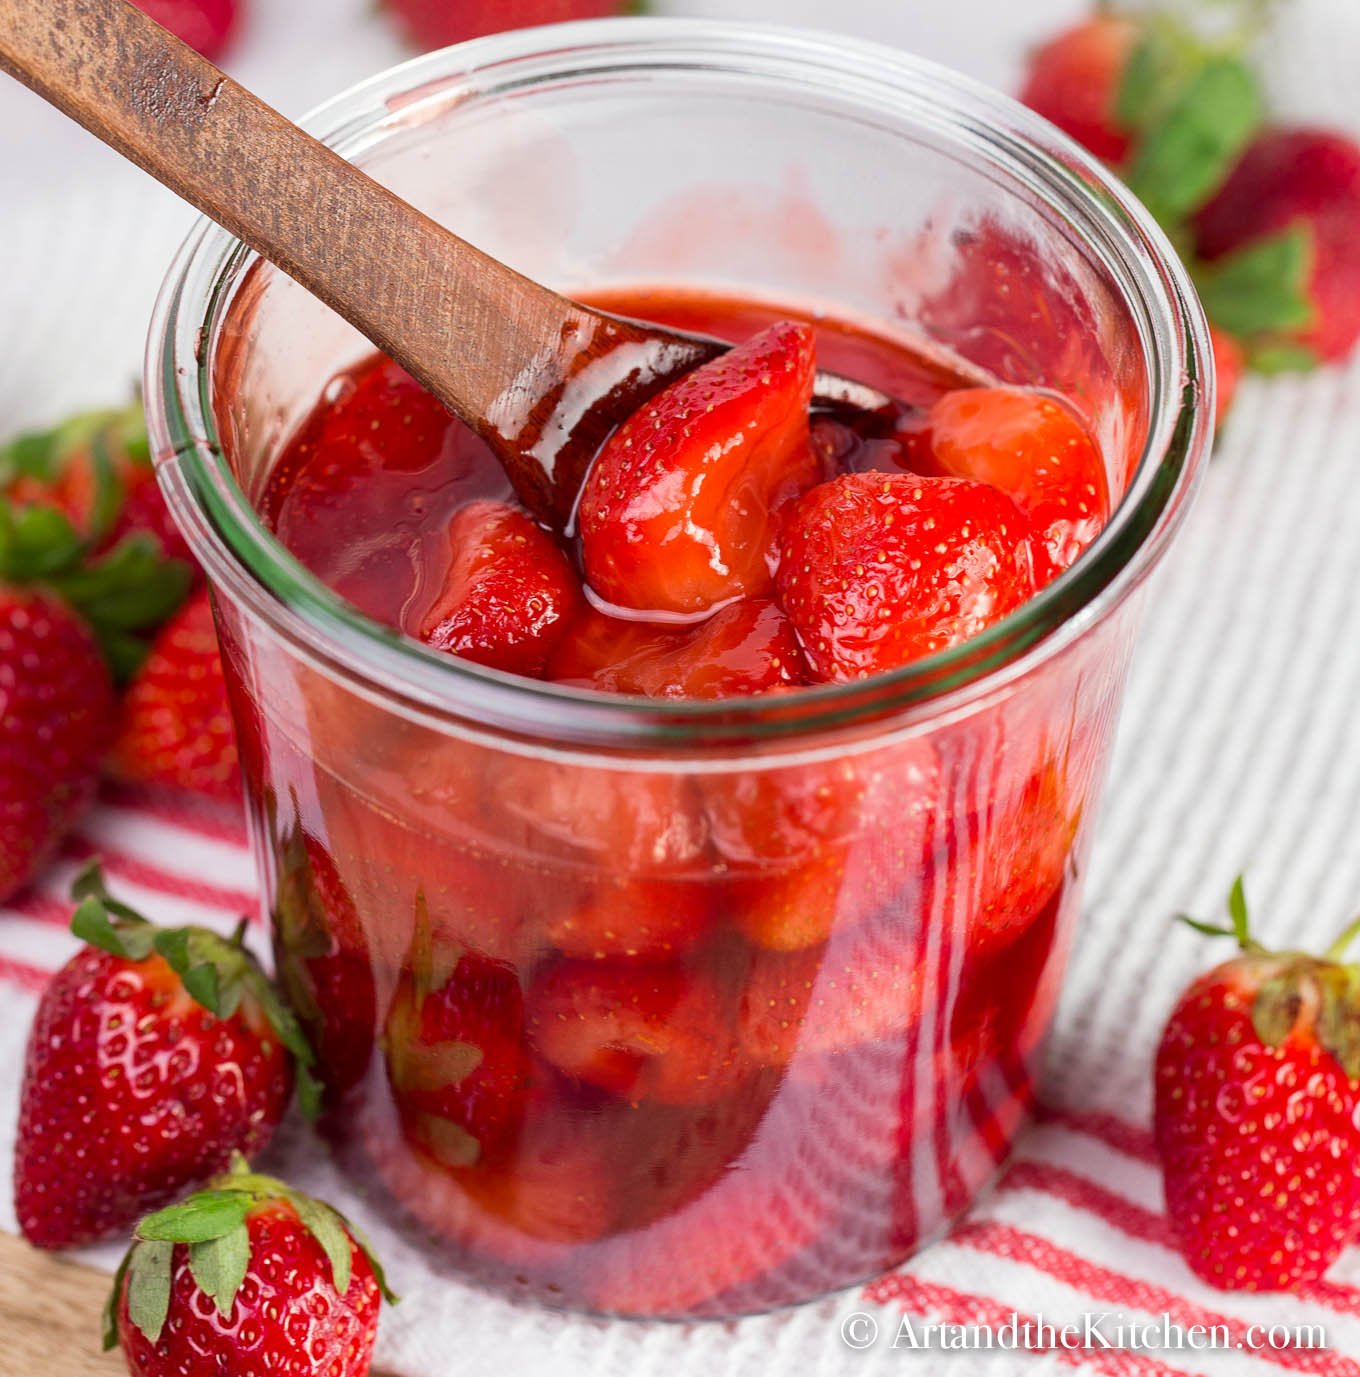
x=124, y=593
x=1296, y=992
x=217, y=972
x=212, y=1225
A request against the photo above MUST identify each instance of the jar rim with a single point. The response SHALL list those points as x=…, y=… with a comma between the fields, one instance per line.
x=251, y=567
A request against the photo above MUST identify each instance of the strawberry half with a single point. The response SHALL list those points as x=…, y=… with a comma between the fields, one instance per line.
x=879, y=570
x=509, y=592
x=455, y=1052
x=680, y=510
x=1033, y=448
x=747, y=647
x=246, y=1276
x=155, y=1054
x=1258, y=1113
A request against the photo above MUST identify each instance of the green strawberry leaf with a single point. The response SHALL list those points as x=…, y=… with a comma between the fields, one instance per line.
x=204, y=1215
x=326, y=1226
x=1162, y=64
x=109, y=1315
x=219, y=1266
x=1262, y=288
x=149, y=1278
x=289, y=1032
x=1282, y=356
x=1237, y=911
x=133, y=941
x=1185, y=155
x=196, y=967
x=366, y=1248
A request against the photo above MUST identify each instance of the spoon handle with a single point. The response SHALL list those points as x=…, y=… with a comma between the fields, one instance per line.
x=454, y=317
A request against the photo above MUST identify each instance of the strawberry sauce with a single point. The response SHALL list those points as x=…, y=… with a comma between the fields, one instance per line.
x=640, y=1038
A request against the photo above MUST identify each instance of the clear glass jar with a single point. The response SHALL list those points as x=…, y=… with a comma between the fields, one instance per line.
x=481, y=885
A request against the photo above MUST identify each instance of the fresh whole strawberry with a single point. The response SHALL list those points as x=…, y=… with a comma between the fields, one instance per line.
x=881, y=569
x=1281, y=241
x=1074, y=81
x=57, y=715
x=207, y=25
x=155, y=1054
x=175, y=721
x=95, y=469
x=680, y=511
x=247, y=1276
x=438, y=23
x=1034, y=449
x=1230, y=362
x=68, y=617
x=1258, y=1114
x=509, y=592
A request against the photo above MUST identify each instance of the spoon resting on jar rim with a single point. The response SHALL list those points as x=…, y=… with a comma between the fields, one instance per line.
x=543, y=379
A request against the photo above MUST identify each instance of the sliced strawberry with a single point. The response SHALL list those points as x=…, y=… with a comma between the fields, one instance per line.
x=640, y=1032
x=630, y=822
x=367, y=485
x=322, y=960
x=1280, y=238
x=1034, y=449
x=867, y=986
x=879, y=570
x=679, y=512
x=1074, y=81
x=747, y=647
x=634, y=917
x=508, y=594
x=455, y=1052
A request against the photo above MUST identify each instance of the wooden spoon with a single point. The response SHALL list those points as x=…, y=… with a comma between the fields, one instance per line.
x=541, y=378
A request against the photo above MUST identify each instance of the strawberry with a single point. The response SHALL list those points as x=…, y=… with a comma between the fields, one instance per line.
x=641, y=1032
x=1034, y=449
x=155, y=1054
x=1281, y=250
x=1230, y=362
x=856, y=989
x=508, y=593
x=1258, y=1113
x=680, y=510
x=747, y=647
x=96, y=470
x=322, y=960
x=207, y=25
x=638, y=917
x=454, y=1046
x=438, y=23
x=176, y=727
x=57, y=714
x=61, y=606
x=246, y=1276
x=365, y=489
x=881, y=569
x=1074, y=80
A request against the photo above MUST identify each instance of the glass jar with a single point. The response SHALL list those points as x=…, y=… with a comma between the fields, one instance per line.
x=687, y=1009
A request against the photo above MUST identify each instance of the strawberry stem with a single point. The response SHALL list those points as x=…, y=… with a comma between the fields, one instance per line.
x=1348, y=935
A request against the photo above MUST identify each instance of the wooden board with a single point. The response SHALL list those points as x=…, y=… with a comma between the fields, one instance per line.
x=49, y=1316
